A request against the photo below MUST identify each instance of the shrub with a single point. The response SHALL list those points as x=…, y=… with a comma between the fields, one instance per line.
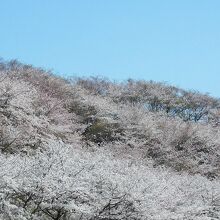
x=103, y=131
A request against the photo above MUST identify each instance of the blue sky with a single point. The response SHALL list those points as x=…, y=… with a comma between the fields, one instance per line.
x=163, y=40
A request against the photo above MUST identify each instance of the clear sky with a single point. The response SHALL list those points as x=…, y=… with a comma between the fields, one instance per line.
x=177, y=41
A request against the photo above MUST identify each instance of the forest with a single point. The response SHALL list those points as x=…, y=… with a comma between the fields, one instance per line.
x=93, y=149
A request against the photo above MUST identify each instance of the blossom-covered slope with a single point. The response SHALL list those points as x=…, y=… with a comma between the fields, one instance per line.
x=77, y=149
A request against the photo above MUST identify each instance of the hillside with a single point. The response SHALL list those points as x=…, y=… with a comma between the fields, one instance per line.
x=89, y=148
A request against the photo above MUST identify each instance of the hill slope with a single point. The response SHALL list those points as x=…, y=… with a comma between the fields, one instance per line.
x=93, y=149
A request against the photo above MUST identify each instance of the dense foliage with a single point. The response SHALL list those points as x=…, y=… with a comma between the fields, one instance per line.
x=95, y=149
